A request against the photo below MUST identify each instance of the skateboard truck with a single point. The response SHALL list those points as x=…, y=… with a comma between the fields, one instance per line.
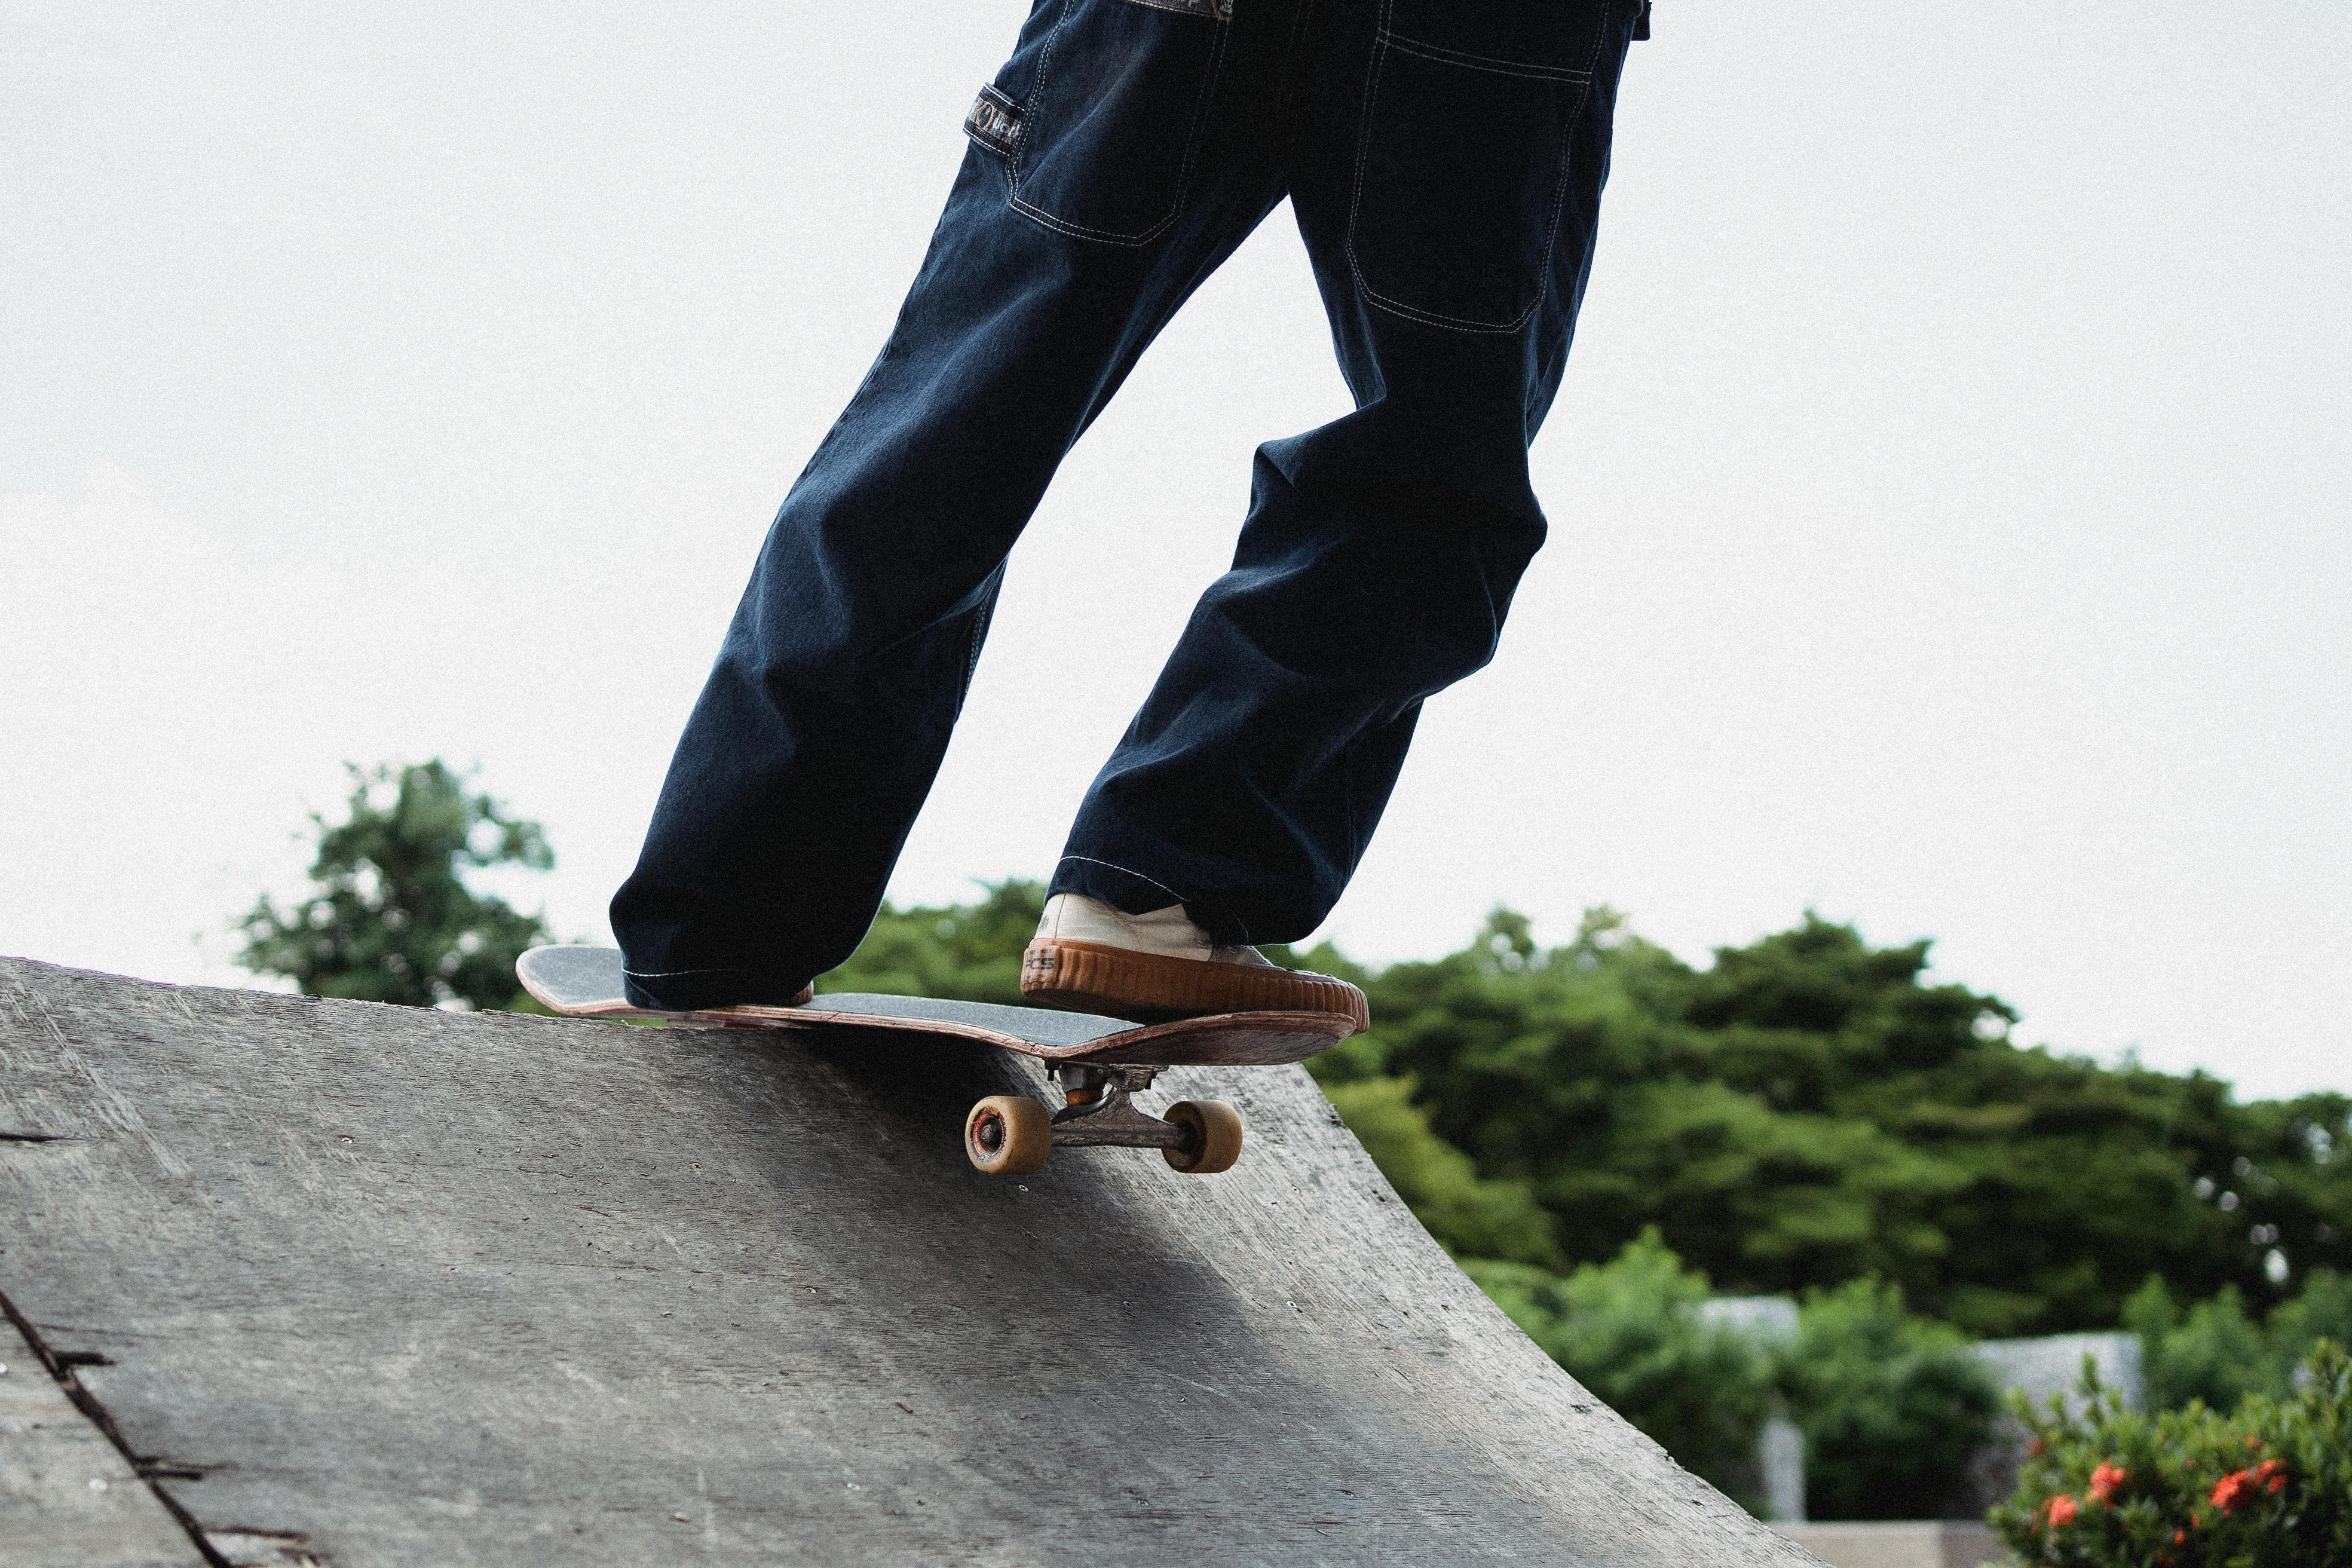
x=1097, y=1113
x=1011, y=1134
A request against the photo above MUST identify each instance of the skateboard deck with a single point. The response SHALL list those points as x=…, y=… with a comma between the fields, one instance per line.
x=1097, y=1061
x=586, y=982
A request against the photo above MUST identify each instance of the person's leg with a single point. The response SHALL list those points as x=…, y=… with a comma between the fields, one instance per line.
x=1122, y=153
x=1448, y=194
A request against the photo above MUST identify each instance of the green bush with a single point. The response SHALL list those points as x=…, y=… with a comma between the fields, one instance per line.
x=2269, y=1486
x=2215, y=1351
x=1890, y=1405
x=2323, y=1311
x=1629, y=1330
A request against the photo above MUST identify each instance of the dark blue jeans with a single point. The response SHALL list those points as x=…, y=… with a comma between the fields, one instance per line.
x=1446, y=161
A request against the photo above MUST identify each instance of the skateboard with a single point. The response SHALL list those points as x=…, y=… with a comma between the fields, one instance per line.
x=1097, y=1064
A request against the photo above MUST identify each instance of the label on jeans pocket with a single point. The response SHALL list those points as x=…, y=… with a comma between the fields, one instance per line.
x=993, y=121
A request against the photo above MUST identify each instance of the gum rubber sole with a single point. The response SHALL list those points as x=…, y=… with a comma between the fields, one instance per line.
x=1095, y=976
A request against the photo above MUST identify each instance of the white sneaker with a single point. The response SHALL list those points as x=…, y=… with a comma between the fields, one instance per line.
x=1089, y=956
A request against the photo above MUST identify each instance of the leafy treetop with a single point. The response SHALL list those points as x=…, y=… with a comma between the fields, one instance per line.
x=1811, y=1110
x=392, y=919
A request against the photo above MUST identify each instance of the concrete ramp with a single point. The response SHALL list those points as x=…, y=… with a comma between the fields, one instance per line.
x=370, y=1285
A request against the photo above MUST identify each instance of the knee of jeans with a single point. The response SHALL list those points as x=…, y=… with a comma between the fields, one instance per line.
x=1413, y=454
x=845, y=648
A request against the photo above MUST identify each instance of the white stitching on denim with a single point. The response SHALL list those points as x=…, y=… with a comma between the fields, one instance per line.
x=1184, y=8
x=1183, y=175
x=1364, y=143
x=1462, y=57
x=1126, y=872
x=1559, y=195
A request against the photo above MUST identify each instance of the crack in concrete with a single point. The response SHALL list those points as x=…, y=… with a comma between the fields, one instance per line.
x=60, y=1365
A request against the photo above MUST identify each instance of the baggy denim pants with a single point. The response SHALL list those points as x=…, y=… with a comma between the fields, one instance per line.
x=1446, y=159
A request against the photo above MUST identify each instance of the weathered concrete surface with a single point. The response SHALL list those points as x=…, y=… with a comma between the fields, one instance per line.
x=69, y=1499
x=421, y=1287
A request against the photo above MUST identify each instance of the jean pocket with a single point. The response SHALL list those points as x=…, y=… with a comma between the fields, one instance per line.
x=1462, y=164
x=1102, y=144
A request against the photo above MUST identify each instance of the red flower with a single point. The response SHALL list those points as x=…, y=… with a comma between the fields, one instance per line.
x=2105, y=1479
x=2233, y=1489
x=2060, y=1510
x=2179, y=1537
x=2273, y=1473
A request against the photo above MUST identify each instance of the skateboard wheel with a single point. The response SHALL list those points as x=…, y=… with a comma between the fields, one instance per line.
x=1008, y=1135
x=1216, y=1141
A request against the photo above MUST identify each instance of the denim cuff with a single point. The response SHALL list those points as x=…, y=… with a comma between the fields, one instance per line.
x=1133, y=893
x=693, y=990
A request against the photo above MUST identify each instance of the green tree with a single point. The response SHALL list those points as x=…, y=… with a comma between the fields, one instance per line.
x=392, y=919
x=1810, y=1109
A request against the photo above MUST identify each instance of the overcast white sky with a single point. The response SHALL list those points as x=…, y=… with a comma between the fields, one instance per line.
x=1949, y=490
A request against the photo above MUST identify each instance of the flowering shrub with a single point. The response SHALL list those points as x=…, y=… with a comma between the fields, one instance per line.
x=2268, y=1486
